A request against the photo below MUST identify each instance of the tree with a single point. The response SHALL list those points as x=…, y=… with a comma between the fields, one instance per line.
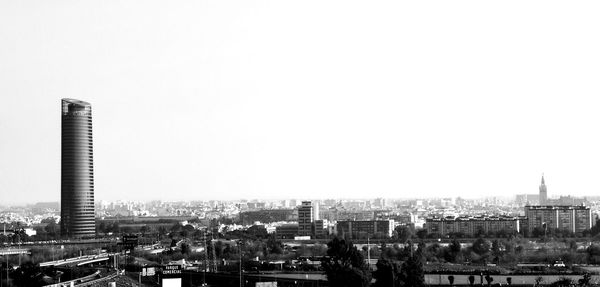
x=539, y=280
x=185, y=249
x=412, y=273
x=585, y=281
x=422, y=233
x=496, y=248
x=471, y=280
x=563, y=282
x=162, y=231
x=176, y=227
x=455, y=246
x=28, y=274
x=481, y=246
x=572, y=245
x=345, y=265
x=52, y=229
x=453, y=251
x=274, y=246
x=593, y=254
x=538, y=232
x=115, y=228
x=186, y=231
x=257, y=231
x=404, y=233
x=509, y=281
x=386, y=274
x=489, y=279
x=144, y=229
x=596, y=228
x=451, y=280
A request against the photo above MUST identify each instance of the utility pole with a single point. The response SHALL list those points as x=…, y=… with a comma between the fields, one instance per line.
x=6, y=255
x=240, y=249
x=368, y=253
x=205, y=258
x=214, y=255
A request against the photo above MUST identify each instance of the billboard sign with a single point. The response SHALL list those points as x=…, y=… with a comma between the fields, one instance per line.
x=172, y=270
x=130, y=241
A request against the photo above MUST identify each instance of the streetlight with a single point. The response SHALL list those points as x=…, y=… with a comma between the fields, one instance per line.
x=240, y=250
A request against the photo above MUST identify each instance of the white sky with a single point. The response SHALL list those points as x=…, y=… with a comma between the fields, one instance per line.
x=304, y=99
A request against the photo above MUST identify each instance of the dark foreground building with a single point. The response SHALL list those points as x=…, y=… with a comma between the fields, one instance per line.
x=77, y=174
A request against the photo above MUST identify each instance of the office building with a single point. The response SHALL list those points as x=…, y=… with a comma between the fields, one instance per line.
x=77, y=171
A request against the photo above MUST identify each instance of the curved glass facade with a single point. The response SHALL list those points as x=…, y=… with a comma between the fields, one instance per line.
x=77, y=173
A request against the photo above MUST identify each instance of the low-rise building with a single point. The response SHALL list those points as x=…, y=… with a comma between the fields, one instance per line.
x=268, y=216
x=287, y=231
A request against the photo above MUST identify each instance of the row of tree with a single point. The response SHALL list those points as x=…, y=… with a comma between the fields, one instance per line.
x=345, y=266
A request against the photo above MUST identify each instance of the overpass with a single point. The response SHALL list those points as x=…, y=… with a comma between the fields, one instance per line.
x=14, y=251
x=82, y=260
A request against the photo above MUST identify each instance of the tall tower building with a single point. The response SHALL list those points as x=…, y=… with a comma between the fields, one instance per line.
x=305, y=218
x=543, y=193
x=77, y=173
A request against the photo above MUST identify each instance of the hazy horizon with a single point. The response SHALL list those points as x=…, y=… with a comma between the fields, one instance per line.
x=248, y=99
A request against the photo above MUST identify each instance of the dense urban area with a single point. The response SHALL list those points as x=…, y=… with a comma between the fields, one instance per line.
x=526, y=240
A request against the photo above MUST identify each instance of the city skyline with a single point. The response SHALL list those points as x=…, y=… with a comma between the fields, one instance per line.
x=393, y=100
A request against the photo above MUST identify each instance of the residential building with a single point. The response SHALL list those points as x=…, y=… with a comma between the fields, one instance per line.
x=305, y=219
x=471, y=226
x=564, y=217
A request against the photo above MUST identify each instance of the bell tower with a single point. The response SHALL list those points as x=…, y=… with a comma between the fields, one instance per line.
x=543, y=193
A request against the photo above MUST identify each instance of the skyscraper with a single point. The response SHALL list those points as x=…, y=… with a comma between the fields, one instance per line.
x=77, y=174
x=543, y=193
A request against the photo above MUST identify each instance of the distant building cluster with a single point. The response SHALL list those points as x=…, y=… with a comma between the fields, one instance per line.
x=294, y=219
x=309, y=226
x=575, y=219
